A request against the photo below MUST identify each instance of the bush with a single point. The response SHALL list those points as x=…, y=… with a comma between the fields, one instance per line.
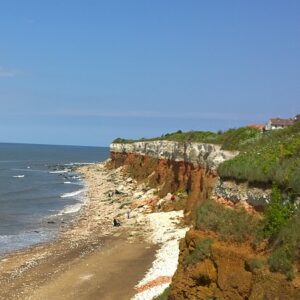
x=232, y=224
x=286, y=247
x=122, y=141
x=255, y=263
x=281, y=260
x=201, y=251
x=277, y=214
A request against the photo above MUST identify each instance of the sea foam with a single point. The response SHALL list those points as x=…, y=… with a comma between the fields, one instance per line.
x=59, y=172
x=72, y=194
x=69, y=209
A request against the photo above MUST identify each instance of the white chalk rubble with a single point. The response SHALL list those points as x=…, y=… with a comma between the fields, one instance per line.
x=164, y=230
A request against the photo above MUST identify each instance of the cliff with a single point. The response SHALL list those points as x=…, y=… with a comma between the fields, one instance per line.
x=190, y=166
x=205, y=155
x=225, y=269
x=174, y=166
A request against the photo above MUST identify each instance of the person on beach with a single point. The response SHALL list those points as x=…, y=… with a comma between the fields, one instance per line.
x=117, y=223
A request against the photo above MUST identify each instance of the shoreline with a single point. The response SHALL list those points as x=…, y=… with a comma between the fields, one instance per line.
x=48, y=227
x=37, y=271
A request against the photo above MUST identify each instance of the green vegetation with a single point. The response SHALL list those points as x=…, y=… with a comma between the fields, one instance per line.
x=275, y=157
x=122, y=141
x=281, y=261
x=286, y=246
x=164, y=295
x=255, y=263
x=231, y=224
x=231, y=139
x=181, y=193
x=268, y=157
x=279, y=226
x=201, y=251
x=237, y=139
x=277, y=214
x=178, y=136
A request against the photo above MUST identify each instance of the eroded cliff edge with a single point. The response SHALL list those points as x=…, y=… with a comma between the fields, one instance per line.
x=173, y=166
x=191, y=168
x=185, y=166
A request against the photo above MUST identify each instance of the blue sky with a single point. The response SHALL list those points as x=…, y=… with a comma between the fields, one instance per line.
x=85, y=72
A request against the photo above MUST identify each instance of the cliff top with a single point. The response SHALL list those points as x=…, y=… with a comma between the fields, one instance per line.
x=232, y=139
x=275, y=157
x=264, y=157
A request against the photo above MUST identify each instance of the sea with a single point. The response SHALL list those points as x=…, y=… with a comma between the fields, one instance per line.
x=40, y=190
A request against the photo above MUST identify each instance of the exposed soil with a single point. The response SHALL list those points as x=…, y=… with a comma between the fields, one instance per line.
x=197, y=181
x=225, y=274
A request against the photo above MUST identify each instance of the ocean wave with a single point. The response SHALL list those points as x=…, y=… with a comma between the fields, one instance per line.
x=79, y=163
x=72, y=194
x=18, y=176
x=23, y=240
x=59, y=172
x=79, y=182
x=70, y=209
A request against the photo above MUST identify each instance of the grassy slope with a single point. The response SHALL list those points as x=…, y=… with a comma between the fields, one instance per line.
x=278, y=226
x=275, y=157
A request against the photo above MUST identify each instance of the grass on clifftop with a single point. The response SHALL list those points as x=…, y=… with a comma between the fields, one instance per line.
x=275, y=157
x=232, y=139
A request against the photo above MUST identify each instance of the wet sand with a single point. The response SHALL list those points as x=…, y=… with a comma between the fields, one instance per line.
x=90, y=259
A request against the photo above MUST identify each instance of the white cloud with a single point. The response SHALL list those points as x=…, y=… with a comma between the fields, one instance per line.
x=8, y=72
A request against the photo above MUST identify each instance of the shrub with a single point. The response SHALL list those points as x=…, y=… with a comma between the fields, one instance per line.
x=277, y=214
x=255, y=263
x=122, y=141
x=201, y=251
x=181, y=192
x=232, y=224
x=281, y=260
x=286, y=247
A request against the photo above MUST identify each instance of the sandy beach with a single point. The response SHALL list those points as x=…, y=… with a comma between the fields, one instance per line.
x=91, y=259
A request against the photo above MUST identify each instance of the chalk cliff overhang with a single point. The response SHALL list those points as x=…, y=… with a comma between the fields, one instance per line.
x=205, y=155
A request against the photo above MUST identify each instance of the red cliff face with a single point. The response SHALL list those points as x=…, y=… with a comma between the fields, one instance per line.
x=225, y=273
x=171, y=176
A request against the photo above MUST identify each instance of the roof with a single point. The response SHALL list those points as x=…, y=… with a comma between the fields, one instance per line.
x=256, y=126
x=282, y=122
